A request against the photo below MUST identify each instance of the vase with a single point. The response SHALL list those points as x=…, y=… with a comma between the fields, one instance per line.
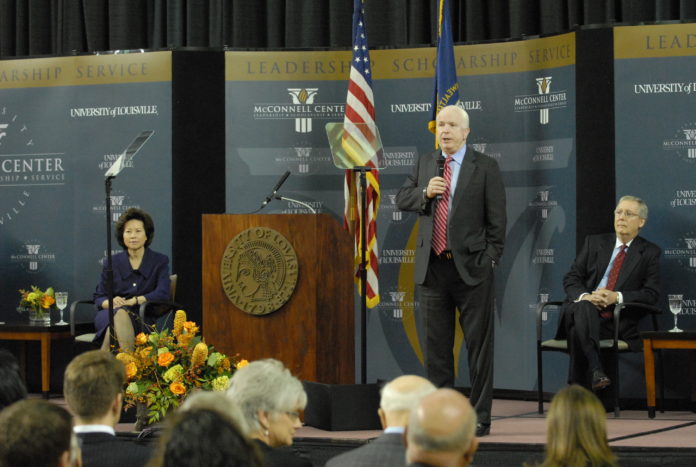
x=40, y=317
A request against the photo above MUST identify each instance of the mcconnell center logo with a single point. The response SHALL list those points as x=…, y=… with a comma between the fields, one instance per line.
x=684, y=253
x=543, y=101
x=396, y=215
x=32, y=256
x=543, y=203
x=22, y=167
x=120, y=203
x=394, y=304
x=302, y=109
x=683, y=142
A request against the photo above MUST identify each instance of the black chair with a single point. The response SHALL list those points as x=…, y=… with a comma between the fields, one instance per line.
x=614, y=345
x=155, y=308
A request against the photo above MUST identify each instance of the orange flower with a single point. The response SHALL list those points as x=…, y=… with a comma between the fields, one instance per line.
x=141, y=339
x=177, y=388
x=165, y=358
x=47, y=301
x=190, y=327
x=131, y=370
x=242, y=363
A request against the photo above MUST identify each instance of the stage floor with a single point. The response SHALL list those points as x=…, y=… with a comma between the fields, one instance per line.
x=517, y=422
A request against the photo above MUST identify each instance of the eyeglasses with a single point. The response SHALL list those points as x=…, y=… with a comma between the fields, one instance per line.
x=626, y=214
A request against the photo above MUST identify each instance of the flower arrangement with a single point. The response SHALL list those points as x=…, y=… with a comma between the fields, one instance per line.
x=164, y=368
x=36, y=299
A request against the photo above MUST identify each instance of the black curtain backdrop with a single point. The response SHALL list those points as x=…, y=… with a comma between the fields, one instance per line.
x=64, y=27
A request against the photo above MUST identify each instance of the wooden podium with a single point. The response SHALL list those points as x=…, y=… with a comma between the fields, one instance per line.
x=313, y=332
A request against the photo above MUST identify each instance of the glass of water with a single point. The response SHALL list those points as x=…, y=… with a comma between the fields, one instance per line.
x=61, y=303
x=675, y=306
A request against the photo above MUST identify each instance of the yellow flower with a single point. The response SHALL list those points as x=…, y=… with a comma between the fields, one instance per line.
x=165, y=358
x=220, y=383
x=124, y=358
x=47, y=301
x=179, y=320
x=174, y=374
x=131, y=370
x=177, y=388
x=225, y=365
x=141, y=339
x=199, y=355
x=242, y=363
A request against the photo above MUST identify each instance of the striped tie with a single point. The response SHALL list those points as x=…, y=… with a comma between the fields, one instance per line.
x=442, y=212
x=613, y=277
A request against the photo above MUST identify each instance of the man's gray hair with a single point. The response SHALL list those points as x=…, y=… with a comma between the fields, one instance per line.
x=393, y=400
x=463, y=113
x=642, y=207
x=265, y=385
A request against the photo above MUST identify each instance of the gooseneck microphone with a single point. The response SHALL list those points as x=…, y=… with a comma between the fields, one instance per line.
x=440, y=172
x=276, y=188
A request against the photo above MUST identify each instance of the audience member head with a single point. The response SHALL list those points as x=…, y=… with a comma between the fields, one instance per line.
x=93, y=386
x=36, y=433
x=220, y=402
x=199, y=437
x=139, y=215
x=442, y=430
x=576, y=430
x=12, y=387
x=400, y=396
x=271, y=399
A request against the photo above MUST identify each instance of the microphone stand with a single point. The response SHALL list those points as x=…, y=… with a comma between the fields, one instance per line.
x=109, y=266
x=302, y=203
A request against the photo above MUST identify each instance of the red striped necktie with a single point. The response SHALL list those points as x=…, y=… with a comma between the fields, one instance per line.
x=442, y=212
x=614, y=276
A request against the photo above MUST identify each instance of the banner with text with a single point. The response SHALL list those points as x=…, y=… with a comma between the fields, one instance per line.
x=520, y=97
x=63, y=122
x=655, y=97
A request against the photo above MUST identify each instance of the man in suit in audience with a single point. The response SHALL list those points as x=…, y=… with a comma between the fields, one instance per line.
x=613, y=268
x=35, y=432
x=398, y=398
x=441, y=431
x=93, y=386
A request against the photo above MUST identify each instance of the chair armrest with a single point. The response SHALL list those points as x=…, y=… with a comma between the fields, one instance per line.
x=73, y=311
x=161, y=306
x=653, y=310
x=539, y=312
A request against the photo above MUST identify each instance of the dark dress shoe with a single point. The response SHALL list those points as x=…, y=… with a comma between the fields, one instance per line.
x=482, y=430
x=599, y=380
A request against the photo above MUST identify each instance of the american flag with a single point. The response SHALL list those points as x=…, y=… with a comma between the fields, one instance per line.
x=359, y=126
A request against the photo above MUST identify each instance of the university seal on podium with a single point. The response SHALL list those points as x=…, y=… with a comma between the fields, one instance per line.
x=259, y=270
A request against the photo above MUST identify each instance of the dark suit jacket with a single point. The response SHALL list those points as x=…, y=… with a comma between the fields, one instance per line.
x=477, y=217
x=387, y=450
x=151, y=280
x=280, y=457
x=105, y=450
x=639, y=279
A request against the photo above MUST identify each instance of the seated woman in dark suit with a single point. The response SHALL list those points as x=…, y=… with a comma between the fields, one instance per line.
x=140, y=274
x=270, y=399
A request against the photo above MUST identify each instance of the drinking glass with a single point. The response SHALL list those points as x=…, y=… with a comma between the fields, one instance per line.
x=61, y=303
x=675, y=306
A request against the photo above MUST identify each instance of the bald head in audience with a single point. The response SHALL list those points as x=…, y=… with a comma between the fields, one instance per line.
x=400, y=396
x=441, y=430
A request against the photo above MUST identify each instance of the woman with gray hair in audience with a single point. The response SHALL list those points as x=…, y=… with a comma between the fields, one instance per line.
x=271, y=400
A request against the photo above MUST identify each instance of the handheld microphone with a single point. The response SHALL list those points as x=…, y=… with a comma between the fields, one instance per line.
x=440, y=172
x=276, y=188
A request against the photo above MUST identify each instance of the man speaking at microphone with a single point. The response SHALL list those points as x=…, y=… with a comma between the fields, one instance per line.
x=460, y=240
